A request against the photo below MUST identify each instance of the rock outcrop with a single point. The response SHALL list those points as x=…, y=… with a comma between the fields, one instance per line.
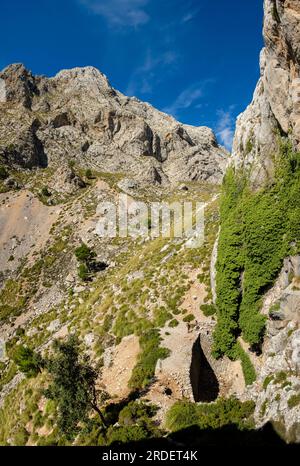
x=277, y=390
x=275, y=108
x=78, y=116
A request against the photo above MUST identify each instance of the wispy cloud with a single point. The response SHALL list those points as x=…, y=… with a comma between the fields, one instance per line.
x=225, y=127
x=146, y=75
x=189, y=97
x=189, y=16
x=120, y=12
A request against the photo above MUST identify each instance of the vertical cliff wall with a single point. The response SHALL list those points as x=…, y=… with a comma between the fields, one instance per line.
x=275, y=108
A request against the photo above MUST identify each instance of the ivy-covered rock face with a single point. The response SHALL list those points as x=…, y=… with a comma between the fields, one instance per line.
x=258, y=230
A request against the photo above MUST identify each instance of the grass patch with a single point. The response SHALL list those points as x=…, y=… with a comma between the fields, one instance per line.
x=151, y=352
x=294, y=401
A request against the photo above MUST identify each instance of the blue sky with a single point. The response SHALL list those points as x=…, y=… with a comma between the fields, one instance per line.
x=195, y=59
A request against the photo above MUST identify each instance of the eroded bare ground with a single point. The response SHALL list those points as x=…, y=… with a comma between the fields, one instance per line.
x=118, y=367
x=25, y=225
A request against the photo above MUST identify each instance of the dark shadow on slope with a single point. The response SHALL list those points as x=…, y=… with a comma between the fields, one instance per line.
x=213, y=443
x=193, y=438
x=204, y=382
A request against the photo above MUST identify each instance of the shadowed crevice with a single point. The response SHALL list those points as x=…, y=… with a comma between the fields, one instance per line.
x=204, y=382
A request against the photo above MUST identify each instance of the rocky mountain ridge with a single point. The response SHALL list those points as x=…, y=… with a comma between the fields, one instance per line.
x=78, y=116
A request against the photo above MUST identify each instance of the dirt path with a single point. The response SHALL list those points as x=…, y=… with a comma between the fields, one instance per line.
x=115, y=377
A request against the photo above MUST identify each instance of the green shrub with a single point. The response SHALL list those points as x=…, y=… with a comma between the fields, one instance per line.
x=87, y=265
x=89, y=174
x=184, y=414
x=136, y=412
x=83, y=273
x=20, y=437
x=173, y=323
x=20, y=332
x=280, y=377
x=249, y=146
x=28, y=361
x=121, y=434
x=263, y=408
x=84, y=254
x=247, y=366
x=294, y=401
x=208, y=309
x=45, y=192
x=267, y=381
x=3, y=173
x=189, y=318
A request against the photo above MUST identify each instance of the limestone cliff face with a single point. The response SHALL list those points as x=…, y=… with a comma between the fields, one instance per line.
x=275, y=110
x=78, y=115
x=276, y=102
x=276, y=391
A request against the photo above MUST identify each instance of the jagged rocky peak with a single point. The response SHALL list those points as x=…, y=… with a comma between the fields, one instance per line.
x=20, y=85
x=78, y=115
x=275, y=108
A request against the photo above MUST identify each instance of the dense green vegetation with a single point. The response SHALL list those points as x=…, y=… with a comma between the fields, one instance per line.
x=259, y=229
x=247, y=366
x=208, y=309
x=71, y=415
x=29, y=362
x=127, y=421
x=72, y=388
x=184, y=414
x=86, y=259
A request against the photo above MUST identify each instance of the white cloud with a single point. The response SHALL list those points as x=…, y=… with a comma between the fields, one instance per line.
x=189, y=97
x=225, y=127
x=120, y=12
x=146, y=75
